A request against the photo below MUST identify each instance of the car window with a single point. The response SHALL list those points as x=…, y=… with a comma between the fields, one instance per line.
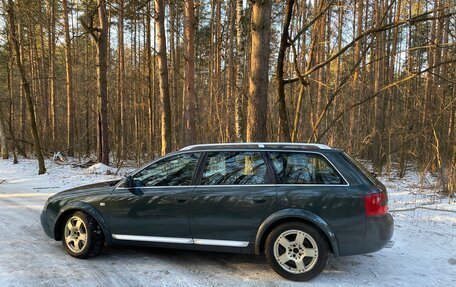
x=227, y=168
x=360, y=167
x=171, y=171
x=304, y=168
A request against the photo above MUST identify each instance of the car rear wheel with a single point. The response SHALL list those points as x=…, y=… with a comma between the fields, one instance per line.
x=82, y=236
x=296, y=251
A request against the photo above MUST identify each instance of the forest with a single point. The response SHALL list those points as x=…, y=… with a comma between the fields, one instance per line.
x=135, y=79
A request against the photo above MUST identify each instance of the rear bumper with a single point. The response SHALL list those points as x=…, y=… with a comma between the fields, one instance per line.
x=379, y=231
x=45, y=224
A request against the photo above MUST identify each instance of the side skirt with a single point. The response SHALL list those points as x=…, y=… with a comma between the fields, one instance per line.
x=178, y=240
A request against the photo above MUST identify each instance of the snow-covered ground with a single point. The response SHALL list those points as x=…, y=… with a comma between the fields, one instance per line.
x=423, y=251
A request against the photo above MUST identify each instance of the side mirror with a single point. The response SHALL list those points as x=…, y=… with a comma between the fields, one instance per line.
x=129, y=182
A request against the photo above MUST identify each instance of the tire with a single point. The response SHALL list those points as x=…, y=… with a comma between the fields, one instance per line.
x=296, y=251
x=82, y=236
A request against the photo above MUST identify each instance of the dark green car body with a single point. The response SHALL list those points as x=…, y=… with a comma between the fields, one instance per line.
x=231, y=217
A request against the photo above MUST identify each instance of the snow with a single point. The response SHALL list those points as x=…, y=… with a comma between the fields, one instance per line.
x=58, y=176
x=422, y=251
x=100, y=168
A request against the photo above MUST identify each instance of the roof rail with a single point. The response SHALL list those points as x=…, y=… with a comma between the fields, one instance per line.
x=258, y=144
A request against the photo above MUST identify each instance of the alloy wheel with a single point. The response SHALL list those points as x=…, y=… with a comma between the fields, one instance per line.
x=296, y=251
x=75, y=234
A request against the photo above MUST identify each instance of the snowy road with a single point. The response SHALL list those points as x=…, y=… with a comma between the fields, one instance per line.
x=423, y=254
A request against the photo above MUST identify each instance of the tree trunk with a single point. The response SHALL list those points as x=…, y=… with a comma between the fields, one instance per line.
x=25, y=84
x=239, y=58
x=163, y=77
x=44, y=83
x=358, y=88
x=379, y=102
x=359, y=30
x=11, y=97
x=219, y=96
x=230, y=68
x=52, y=80
x=3, y=144
x=69, y=81
x=177, y=104
x=102, y=74
x=258, y=83
x=150, y=79
x=22, y=97
x=284, y=44
x=189, y=89
x=121, y=124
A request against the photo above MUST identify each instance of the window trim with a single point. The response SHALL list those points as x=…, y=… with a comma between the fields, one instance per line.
x=275, y=180
x=158, y=187
x=279, y=180
x=273, y=177
x=237, y=185
x=200, y=168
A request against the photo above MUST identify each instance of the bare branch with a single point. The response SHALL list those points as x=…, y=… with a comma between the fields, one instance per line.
x=411, y=76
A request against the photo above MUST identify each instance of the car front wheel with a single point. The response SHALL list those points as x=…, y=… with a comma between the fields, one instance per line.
x=82, y=236
x=296, y=251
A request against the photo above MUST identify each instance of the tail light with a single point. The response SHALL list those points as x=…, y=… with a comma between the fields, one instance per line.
x=376, y=204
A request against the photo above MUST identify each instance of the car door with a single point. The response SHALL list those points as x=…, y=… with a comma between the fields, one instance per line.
x=234, y=194
x=157, y=209
x=309, y=181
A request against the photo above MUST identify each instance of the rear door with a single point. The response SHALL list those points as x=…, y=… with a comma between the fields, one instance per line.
x=234, y=194
x=310, y=182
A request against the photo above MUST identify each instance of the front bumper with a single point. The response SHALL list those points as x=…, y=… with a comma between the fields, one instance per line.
x=45, y=224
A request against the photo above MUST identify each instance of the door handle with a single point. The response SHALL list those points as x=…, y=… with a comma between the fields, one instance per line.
x=260, y=199
x=181, y=199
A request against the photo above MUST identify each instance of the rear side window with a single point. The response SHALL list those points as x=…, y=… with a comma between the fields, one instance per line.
x=360, y=167
x=304, y=168
x=233, y=168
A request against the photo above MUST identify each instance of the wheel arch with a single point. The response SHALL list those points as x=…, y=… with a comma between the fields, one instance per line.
x=84, y=207
x=293, y=215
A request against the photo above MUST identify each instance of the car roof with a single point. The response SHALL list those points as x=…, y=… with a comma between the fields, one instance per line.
x=258, y=146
